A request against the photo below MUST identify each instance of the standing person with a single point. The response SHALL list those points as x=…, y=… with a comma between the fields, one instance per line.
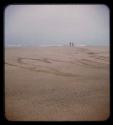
x=70, y=44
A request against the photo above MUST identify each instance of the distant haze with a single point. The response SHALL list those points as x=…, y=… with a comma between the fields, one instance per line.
x=56, y=25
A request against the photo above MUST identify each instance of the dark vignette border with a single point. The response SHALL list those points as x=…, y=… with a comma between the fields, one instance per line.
x=3, y=5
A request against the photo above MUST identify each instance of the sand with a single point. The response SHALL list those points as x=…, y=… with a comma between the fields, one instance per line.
x=57, y=84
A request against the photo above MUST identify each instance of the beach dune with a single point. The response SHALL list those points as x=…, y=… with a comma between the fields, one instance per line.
x=57, y=83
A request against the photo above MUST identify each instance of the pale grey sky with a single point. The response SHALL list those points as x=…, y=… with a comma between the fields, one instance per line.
x=57, y=24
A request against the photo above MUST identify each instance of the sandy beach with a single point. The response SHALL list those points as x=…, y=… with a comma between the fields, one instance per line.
x=57, y=84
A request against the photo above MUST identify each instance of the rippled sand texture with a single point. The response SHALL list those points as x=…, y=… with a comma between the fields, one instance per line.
x=57, y=84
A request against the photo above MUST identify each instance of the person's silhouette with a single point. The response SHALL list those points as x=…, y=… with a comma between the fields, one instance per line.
x=70, y=44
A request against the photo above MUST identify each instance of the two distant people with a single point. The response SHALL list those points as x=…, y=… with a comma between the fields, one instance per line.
x=71, y=44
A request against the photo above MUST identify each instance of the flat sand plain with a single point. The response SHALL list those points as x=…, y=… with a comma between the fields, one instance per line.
x=57, y=84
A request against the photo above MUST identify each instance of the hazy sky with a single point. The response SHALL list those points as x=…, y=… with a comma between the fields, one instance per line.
x=44, y=24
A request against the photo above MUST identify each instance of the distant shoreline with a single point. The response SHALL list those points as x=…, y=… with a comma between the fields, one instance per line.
x=56, y=46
